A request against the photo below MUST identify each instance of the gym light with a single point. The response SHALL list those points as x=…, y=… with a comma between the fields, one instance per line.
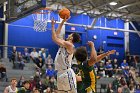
x=113, y=3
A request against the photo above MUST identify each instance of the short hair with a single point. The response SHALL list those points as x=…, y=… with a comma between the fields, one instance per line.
x=13, y=79
x=76, y=38
x=81, y=54
x=25, y=82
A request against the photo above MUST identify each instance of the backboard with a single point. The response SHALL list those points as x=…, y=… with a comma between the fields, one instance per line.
x=17, y=9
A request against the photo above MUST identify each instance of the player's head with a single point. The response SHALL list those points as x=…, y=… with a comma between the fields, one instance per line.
x=81, y=54
x=75, y=37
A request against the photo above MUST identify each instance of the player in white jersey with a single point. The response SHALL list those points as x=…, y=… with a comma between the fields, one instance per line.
x=66, y=81
x=11, y=88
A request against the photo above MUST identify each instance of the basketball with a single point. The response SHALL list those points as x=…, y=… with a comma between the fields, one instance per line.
x=64, y=13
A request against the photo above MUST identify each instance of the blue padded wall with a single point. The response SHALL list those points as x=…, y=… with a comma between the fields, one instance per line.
x=111, y=41
x=26, y=36
x=1, y=28
x=134, y=41
x=1, y=32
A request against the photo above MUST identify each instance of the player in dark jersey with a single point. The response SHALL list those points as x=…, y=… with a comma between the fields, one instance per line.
x=85, y=65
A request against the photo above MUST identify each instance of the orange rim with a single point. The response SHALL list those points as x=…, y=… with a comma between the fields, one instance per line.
x=46, y=12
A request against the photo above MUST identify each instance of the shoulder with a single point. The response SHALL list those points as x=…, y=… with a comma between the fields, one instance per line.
x=68, y=44
x=7, y=87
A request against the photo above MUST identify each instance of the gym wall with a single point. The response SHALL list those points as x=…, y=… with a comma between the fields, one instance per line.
x=1, y=25
x=106, y=38
x=21, y=33
x=2, y=29
x=134, y=41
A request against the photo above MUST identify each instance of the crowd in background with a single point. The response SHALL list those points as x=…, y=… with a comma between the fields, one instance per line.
x=127, y=78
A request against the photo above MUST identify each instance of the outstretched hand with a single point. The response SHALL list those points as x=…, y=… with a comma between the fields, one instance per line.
x=111, y=52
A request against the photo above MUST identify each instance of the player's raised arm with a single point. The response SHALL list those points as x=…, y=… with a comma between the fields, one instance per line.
x=93, y=54
x=101, y=56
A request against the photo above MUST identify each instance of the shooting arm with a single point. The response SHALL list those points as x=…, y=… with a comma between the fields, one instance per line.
x=59, y=28
x=55, y=38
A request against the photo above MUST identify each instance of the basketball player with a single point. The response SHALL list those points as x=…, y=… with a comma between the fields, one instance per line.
x=86, y=67
x=12, y=88
x=66, y=80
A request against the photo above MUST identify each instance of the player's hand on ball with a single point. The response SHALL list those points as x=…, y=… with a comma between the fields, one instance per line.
x=66, y=19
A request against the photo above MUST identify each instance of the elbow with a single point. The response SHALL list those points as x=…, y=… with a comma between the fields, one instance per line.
x=54, y=38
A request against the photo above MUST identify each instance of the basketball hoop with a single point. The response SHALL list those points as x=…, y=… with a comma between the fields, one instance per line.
x=40, y=19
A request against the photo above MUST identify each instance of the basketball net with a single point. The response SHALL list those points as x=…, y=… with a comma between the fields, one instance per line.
x=40, y=20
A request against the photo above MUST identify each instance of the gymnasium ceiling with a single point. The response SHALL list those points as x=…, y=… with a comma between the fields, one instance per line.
x=128, y=10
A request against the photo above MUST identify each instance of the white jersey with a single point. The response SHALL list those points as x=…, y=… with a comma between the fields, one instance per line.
x=63, y=59
x=66, y=80
x=10, y=90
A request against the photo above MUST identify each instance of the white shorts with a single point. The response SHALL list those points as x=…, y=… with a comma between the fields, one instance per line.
x=66, y=81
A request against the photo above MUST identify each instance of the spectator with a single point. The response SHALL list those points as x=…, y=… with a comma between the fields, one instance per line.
x=125, y=68
x=19, y=56
x=39, y=63
x=131, y=89
x=119, y=90
x=124, y=65
x=34, y=55
x=25, y=88
x=137, y=79
x=14, y=56
x=125, y=89
x=32, y=83
x=26, y=55
x=36, y=91
x=131, y=83
x=123, y=81
x=132, y=72
x=116, y=84
x=12, y=87
x=46, y=80
x=40, y=86
x=50, y=71
x=42, y=53
x=100, y=50
x=37, y=77
x=109, y=69
x=115, y=66
x=49, y=61
x=20, y=82
x=48, y=90
x=101, y=69
x=52, y=83
x=3, y=71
